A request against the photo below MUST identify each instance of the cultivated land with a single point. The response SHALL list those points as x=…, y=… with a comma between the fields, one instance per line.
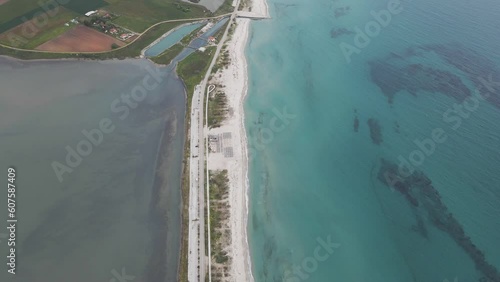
x=138, y=15
x=130, y=51
x=14, y=13
x=31, y=34
x=81, y=39
x=135, y=15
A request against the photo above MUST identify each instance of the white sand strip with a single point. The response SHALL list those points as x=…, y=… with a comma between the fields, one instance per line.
x=234, y=81
x=260, y=7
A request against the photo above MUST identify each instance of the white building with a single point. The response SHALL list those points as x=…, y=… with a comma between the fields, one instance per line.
x=90, y=13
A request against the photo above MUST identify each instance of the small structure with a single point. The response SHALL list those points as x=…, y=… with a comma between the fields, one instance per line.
x=113, y=31
x=211, y=39
x=202, y=49
x=206, y=27
x=90, y=13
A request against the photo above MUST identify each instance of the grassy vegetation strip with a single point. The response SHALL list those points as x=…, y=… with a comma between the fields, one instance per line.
x=218, y=35
x=223, y=59
x=31, y=34
x=187, y=39
x=220, y=232
x=168, y=55
x=217, y=109
x=194, y=67
x=226, y=7
x=222, y=62
x=183, y=264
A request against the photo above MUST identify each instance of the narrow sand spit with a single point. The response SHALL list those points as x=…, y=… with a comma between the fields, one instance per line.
x=234, y=84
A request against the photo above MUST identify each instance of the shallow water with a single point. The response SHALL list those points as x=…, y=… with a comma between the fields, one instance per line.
x=316, y=150
x=112, y=209
x=195, y=44
x=98, y=208
x=170, y=40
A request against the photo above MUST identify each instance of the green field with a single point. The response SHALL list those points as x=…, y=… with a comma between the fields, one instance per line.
x=16, y=12
x=52, y=29
x=194, y=67
x=138, y=15
x=83, y=6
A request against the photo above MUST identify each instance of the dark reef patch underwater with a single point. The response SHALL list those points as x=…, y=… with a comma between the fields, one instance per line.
x=419, y=192
x=458, y=73
x=375, y=131
x=397, y=72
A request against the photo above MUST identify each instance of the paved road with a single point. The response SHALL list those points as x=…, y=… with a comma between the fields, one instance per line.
x=196, y=240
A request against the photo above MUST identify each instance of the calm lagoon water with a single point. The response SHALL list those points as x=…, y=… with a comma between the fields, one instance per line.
x=119, y=208
x=114, y=208
x=194, y=45
x=317, y=178
x=171, y=39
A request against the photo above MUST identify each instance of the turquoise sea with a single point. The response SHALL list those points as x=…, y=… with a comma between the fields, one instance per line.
x=384, y=167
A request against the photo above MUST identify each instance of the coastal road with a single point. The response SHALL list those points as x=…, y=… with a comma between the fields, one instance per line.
x=196, y=246
x=196, y=239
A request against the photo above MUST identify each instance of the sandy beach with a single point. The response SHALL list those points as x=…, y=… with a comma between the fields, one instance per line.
x=233, y=81
x=260, y=7
x=234, y=84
